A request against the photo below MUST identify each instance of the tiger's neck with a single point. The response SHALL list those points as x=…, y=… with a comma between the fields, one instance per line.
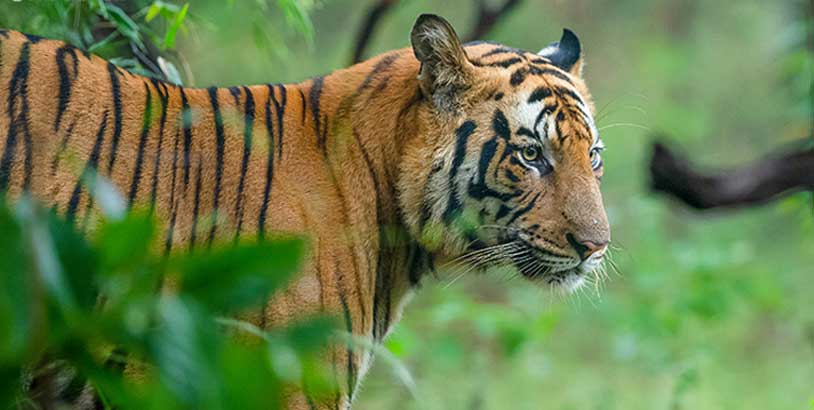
x=354, y=126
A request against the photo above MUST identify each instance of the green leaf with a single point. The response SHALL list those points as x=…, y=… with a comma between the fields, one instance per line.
x=125, y=245
x=76, y=259
x=184, y=349
x=152, y=12
x=95, y=47
x=232, y=278
x=18, y=296
x=296, y=14
x=172, y=30
x=100, y=7
x=125, y=25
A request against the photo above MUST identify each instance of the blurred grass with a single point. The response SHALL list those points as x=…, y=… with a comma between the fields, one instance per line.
x=707, y=312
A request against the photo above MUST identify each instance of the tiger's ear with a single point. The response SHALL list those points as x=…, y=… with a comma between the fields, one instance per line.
x=566, y=53
x=445, y=70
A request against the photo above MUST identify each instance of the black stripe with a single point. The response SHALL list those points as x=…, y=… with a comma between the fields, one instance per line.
x=539, y=94
x=527, y=133
x=561, y=91
x=33, y=38
x=381, y=273
x=502, y=211
x=426, y=205
x=18, y=119
x=462, y=135
x=351, y=371
x=374, y=178
x=503, y=63
x=547, y=109
x=186, y=121
x=163, y=96
x=380, y=66
x=173, y=203
x=522, y=211
x=557, y=121
x=115, y=89
x=64, y=80
x=499, y=50
x=220, y=142
x=303, y=108
x=318, y=276
x=63, y=145
x=417, y=262
x=196, y=206
x=511, y=176
x=380, y=88
x=145, y=131
x=501, y=125
x=248, y=129
x=518, y=76
x=478, y=190
x=280, y=110
x=314, y=99
x=92, y=164
x=261, y=220
x=552, y=72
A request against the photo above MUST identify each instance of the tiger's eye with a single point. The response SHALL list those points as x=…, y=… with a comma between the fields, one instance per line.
x=531, y=154
x=596, y=159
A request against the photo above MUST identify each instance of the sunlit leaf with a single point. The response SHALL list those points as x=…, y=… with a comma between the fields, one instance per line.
x=172, y=30
x=170, y=71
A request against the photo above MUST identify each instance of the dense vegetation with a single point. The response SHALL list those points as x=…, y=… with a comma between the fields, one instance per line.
x=102, y=303
x=707, y=311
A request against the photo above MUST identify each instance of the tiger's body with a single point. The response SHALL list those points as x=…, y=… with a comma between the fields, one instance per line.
x=365, y=160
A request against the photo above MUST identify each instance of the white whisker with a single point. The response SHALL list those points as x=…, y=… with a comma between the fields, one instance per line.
x=625, y=124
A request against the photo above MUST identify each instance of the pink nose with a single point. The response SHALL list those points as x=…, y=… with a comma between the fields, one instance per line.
x=585, y=248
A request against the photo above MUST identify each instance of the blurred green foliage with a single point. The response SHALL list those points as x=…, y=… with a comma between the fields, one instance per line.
x=707, y=311
x=72, y=302
x=92, y=307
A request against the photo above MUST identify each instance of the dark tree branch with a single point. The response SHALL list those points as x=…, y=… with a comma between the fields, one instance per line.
x=761, y=181
x=488, y=17
x=374, y=16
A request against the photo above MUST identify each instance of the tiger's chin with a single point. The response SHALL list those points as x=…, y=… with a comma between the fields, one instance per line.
x=564, y=278
x=567, y=281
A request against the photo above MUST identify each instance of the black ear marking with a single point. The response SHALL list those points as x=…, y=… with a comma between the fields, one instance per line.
x=566, y=53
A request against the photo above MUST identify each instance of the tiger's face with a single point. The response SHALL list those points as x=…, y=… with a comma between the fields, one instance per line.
x=516, y=158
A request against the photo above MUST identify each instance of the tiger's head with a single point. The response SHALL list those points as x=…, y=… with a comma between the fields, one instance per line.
x=506, y=165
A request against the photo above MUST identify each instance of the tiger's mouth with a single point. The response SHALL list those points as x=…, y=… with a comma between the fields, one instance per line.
x=557, y=271
x=552, y=269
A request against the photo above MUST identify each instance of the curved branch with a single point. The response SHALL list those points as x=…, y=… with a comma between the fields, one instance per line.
x=374, y=16
x=762, y=181
x=488, y=17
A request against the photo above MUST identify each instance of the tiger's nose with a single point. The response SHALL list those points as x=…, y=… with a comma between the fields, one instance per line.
x=585, y=248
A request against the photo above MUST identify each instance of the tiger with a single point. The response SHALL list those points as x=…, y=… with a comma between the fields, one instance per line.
x=441, y=153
